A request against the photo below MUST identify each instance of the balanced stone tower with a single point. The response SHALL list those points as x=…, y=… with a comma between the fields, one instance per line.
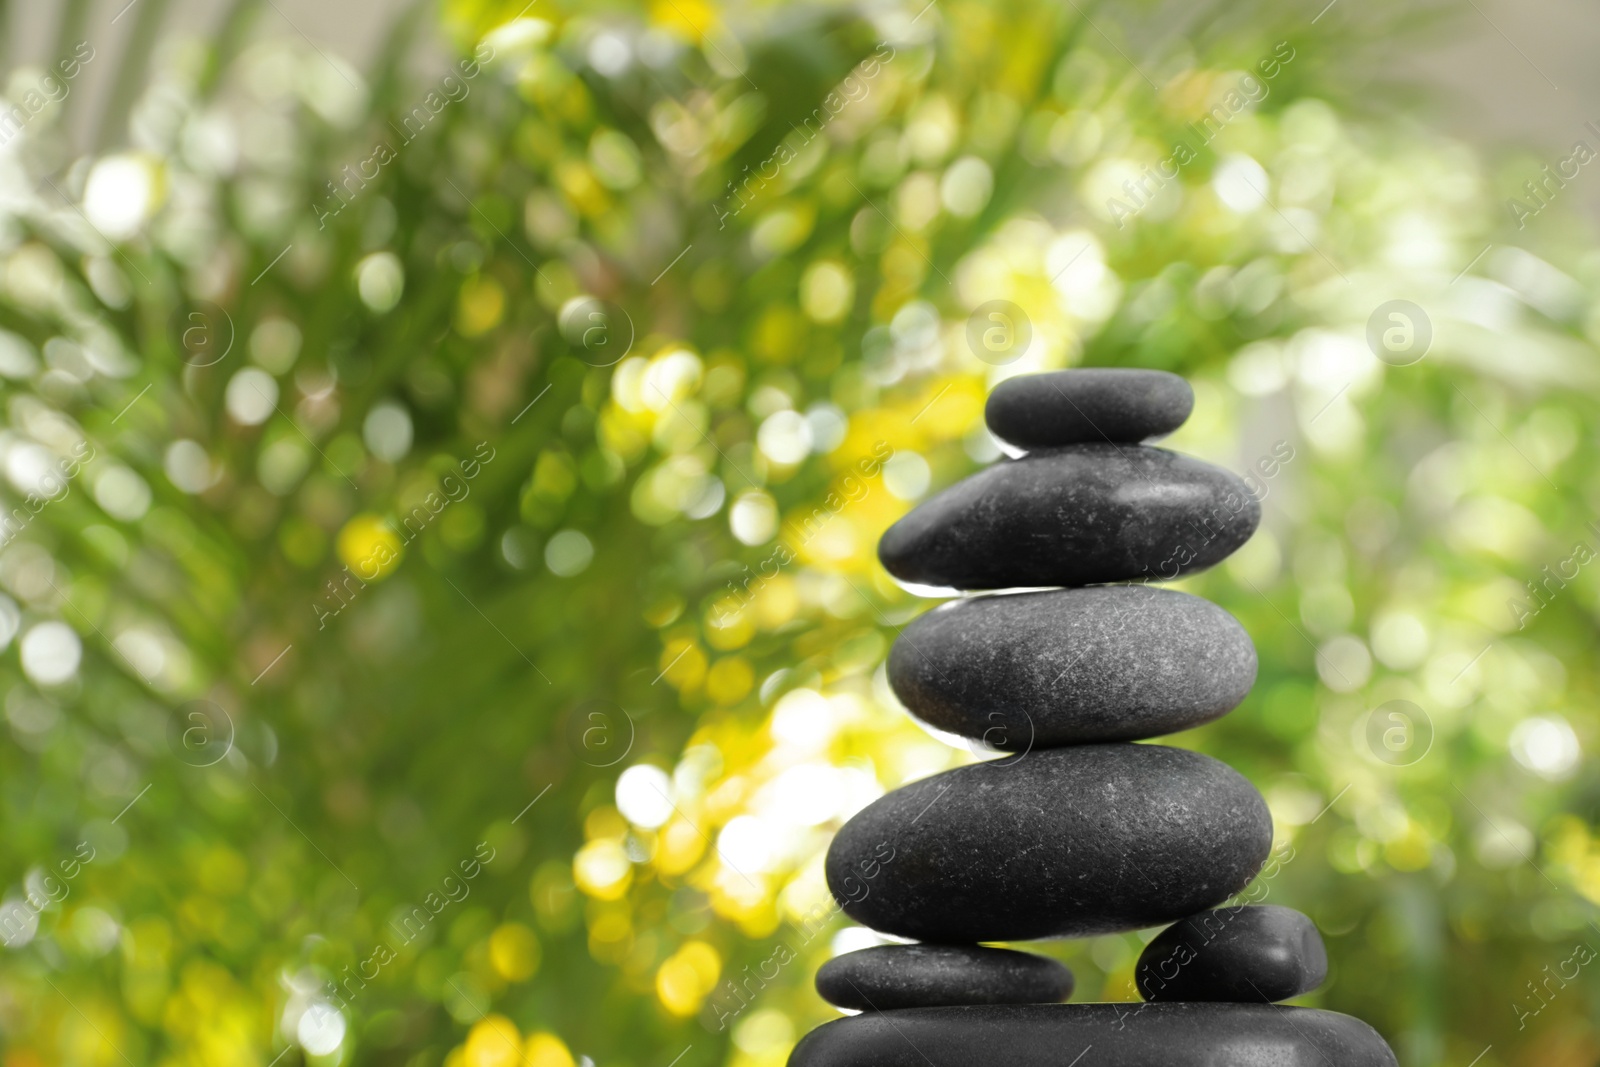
x=1074, y=830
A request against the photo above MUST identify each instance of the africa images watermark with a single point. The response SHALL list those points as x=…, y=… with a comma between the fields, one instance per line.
x=341, y=592
x=354, y=179
x=51, y=88
x=741, y=994
x=55, y=484
x=20, y=918
x=1553, y=578
x=853, y=88
x=851, y=490
x=1209, y=526
x=1250, y=90
x=408, y=925
x=1541, y=191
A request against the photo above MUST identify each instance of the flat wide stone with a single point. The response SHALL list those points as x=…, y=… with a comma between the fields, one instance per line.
x=922, y=976
x=1060, y=842
x=1081, y=515
x=1249, y=955
x=1090, y=404
x=1120, y=1035
x=1111, y=663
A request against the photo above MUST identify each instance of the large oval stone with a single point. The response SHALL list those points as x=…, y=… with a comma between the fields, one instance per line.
x=920, y=976
x=1120, y=1035
x=1112, y=663
x=1251, y=955
x=1066, y=407
x=1081, y=515
x=1061, y=842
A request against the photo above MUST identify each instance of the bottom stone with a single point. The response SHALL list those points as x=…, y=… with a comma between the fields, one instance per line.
x=1122, y=1035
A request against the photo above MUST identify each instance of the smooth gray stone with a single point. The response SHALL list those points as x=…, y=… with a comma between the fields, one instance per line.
x=1081, y=515
x=1121, y=1035
x=1057, y=842
x=925, y=976
x=1090, y=404
x=1252, y=954
x=1111, y=663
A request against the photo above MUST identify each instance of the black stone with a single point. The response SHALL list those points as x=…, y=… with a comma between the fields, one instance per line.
x=1059, y=842
x=1081, y=515
x=925, y=976
x=1068, y=407
x=1121, y=1035
x=1113, y=663
x=1249, y=955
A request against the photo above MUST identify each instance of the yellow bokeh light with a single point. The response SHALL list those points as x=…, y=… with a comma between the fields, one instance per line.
x=480, y=306
x=494, y=1041
x=727, y=630
x=369, y=546
x=683, y=665
x=691, y=18
x=687, y=976
x=730, y=680
x=679, y=847
x=514, y=952
x=547, y=1050
x=602, y=870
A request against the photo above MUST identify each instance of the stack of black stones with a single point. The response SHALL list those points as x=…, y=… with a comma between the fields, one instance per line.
x=1074, y=830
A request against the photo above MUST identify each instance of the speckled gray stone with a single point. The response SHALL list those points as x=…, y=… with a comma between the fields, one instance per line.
x=925, y=976
x=1091, y=404
x=1081, y=515
x=1060, y=842
x=1250, y=955
x=1111, y=663
x=1121, y=1035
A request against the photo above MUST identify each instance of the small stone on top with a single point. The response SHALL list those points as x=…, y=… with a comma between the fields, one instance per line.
x=1118, y=405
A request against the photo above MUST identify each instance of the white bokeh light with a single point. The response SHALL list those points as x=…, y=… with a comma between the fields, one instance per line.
x=321, y=1029
x=122, y=494
x=568, y=553
x=51, y=653
x=907, y=476
x=380, y=281
x=251, y=396
x=188, y=466
x=1241, y=183
x=387, y=431
x=119, y=196
x=746, y=844
x=785, y=437
x=753, y=518
x=1546, y=745
x=644, y=796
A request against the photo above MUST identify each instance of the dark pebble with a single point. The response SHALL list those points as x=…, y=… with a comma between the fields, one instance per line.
x=1249, y=955
x=927, y=976
x=1082, y=515
x=1121, y=1035
x=1089, y=405
x=1112, y=663
x=1059, y=842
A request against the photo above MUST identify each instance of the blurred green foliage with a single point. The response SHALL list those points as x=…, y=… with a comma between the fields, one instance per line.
x=410, y=454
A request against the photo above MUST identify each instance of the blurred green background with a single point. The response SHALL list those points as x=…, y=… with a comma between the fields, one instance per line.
x=441, y=622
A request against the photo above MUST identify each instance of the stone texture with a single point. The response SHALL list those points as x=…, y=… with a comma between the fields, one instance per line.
x=1113, y=663
x=1081, y=515
x=1249, y=955
x=1121, y=1035
x=920, y=976
x=1089, y=405
x=1063, y=842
